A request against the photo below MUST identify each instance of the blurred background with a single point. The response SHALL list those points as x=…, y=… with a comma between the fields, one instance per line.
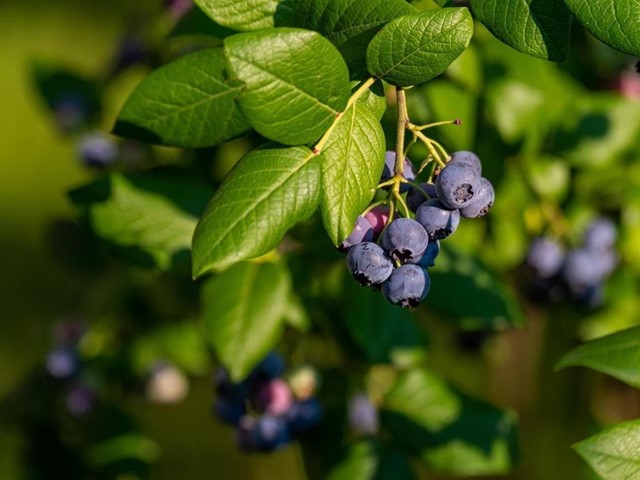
x=565, y=137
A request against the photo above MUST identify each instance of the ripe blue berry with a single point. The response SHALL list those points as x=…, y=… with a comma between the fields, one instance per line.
x=262, y=434
x=405, y=240
x=229, y=410
x=482, y=201
x=407, y=286
x=304, y=415
x=271, y=367
x=429, y=257
x=582, y=271
x=457, y=185
x=545, y=257
x=468, y=158
x=415, y=197
x=389, y=168
x=439, y=221
x=362, y=232
x=363, y=415
x=369, y=264
x=601, y=235
x=97, y=150
x=62, y=363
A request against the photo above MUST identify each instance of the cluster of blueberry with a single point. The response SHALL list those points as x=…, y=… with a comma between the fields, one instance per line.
x=579, y=272
x=396, y=255
x=268, y=411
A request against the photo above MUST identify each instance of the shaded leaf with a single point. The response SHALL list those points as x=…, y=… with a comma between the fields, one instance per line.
x=295, y=82
x=240, y=15
x=244, y=314
x=613, y=453
x=360, y=463
x=148, y=219
x=614, y=22
x=418, y=47
x=188, y=103
x=352, y=162
x=539, y=28
x=267, y=192
x=617, y=355
x=196, y=22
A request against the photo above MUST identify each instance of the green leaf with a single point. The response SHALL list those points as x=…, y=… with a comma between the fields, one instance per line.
x=150, y=220
x=617, y=355
x=360, y=463
x=348, y=24
x=488, y=304
x=244, y=314
x=295, y=82
x=352, y=162
x=383, y=331
x=240, y=15
x=418, y=47
x=539, y=28
x=375, y=100
x=196, y=22
x=449, y=432
x=614, y=22
x=188, y=103
x=394, y=466
x=267, y=192
x=613, y=453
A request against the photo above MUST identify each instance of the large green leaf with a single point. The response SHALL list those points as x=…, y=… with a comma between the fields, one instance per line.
x=615, y=22
x=267, y=192
x=539, y=28
x=617, y=355
x=352, y=162
x=188, y=103
x=295, y=82
x=418, y=47
x=360, y=463
x=383, y=331
x=348, y=24
x=240, y=15
x=613, y=453
x=449, y=432
x=150, y=220
x=244, y=314
x=488, y=304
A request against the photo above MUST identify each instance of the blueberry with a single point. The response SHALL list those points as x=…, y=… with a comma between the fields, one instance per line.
x=362, y=232
x=225, y=388
x=363, y=415
x=439, y=221
x=482, y=201
x=97, y=150
x=582, y=271
x=369, y=264
x=429, y=257
x=272, y=366
x=62, y=363
x=274, y=397
x=71, y=111
x=457, y=185
x=80, y=400
x=407, y=286
x=601, y=234
x=415, y=197
x=262, y=434
x=468, y=158
x=405, y=240
x=377, y=218
x=389, y=168
x=304, y=415
x=229, y=410
x=545, y=257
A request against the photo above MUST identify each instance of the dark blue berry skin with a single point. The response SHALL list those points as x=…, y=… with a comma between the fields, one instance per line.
x=482, y=201
x=71, y=112
x=582, y=271
x=97, y=150
x=415, y=198
x=429, y=257
x=363, y=415
x=227, y=389
x=601, y=235
x=438, y=220
x=263, y=434
x=545, y=257
x=405, y=240
x=457, y=185
x=389, y=167
x=271, y=367
x=362, y=232
x=407, y=286
x=229, y=410
x=62, y=363
x=369, y=264
x=468, y=158
x=304, y=416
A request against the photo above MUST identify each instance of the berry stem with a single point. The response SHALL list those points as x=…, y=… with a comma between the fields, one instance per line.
x=457, y=121
x=429, y=144
x=403, y=121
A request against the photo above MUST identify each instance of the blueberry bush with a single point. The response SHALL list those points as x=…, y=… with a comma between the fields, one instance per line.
x=335, y=208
